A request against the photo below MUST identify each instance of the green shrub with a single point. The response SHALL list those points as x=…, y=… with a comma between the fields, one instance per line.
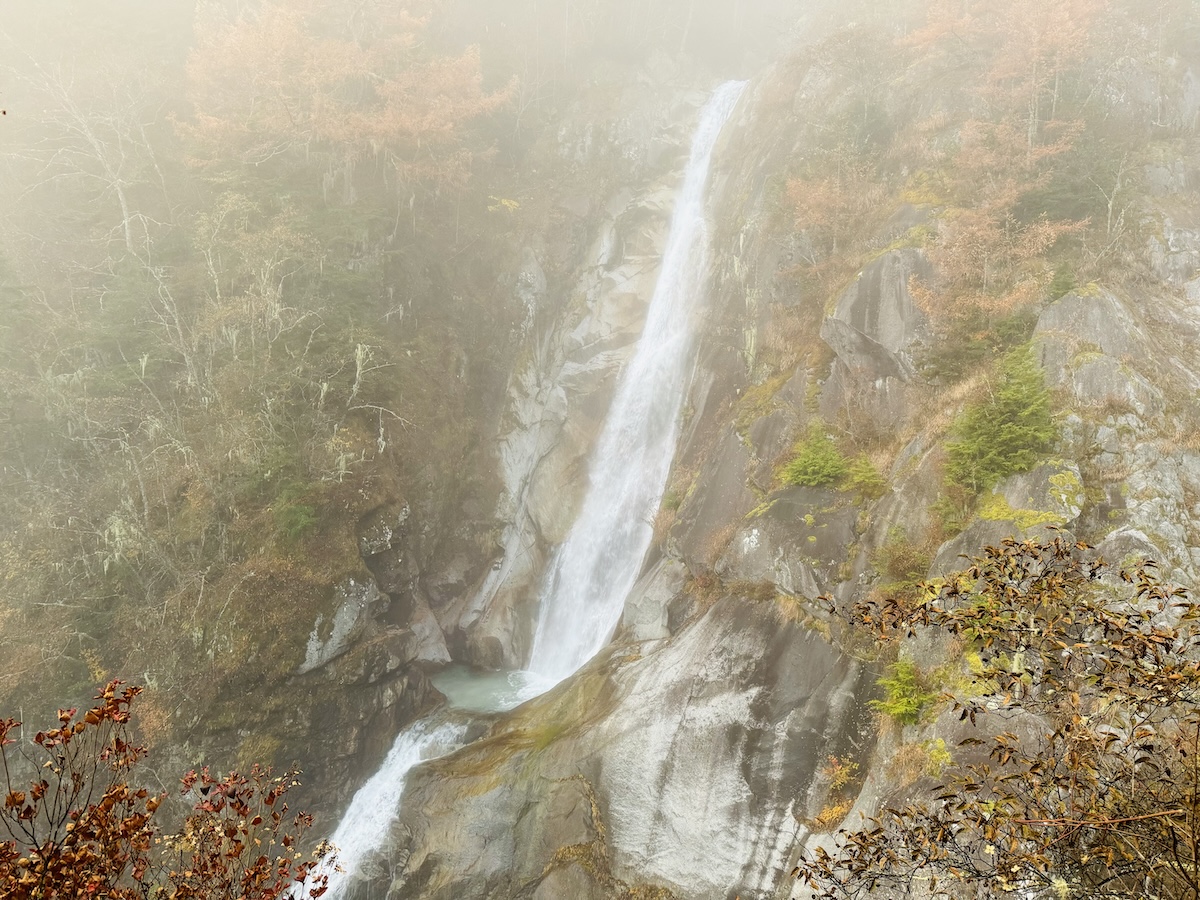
x=1062, y=283
x=1009, y=432
x=905, y=695
x=864, y=479
x=816, y=460
x=294, y=518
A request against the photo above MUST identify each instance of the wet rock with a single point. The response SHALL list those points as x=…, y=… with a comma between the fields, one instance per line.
x=530, y=288
x=569, y=881
x=905, y=509
x=348, y=721
x=654, y=749
x=502, y=636
x=956, y=553
x=646, y=616
x=357, y=604
x=1028, y=504
x=430, y=641
x=708, y=516
x=1127, y=546
x=874, y=332
x=562, y=818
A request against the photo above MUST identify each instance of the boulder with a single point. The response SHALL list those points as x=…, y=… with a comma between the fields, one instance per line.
x=875, y=324
x=357, y=604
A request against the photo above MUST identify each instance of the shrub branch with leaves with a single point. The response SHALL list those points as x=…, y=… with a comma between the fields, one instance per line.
x=1082, y=777
x=79, y=828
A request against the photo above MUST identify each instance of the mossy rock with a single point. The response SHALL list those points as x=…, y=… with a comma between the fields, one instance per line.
x=1051, y=494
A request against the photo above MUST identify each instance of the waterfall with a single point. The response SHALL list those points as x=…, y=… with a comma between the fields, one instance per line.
x=364, y=827
x=597, y=565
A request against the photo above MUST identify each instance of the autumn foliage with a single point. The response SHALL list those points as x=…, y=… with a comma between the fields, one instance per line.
x=80, y=828
x=991, y=254
x=992, y=102
x=1081, y=776
x=302, y=77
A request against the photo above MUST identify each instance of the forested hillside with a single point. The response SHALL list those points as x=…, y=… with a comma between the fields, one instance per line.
x=234, y=327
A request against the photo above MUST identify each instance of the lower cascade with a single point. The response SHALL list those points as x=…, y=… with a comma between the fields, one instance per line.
x=363, y=828
x=597, y=565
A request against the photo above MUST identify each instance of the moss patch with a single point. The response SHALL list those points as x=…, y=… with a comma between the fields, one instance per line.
x=1066, y=487
x=758, y=401
x=995, y=508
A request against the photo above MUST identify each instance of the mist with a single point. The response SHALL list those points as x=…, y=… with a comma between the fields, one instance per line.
x=503, y=412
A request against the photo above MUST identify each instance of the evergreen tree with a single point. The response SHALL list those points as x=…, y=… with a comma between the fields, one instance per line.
x=1006, y=434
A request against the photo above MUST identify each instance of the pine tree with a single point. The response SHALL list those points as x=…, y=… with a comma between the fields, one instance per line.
x=1008, y=433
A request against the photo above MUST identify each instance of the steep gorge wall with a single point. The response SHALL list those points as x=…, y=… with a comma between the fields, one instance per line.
x=692, y=757
x=589, y=179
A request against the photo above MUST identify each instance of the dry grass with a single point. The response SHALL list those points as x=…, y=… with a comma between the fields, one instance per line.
x=908, y=763
x=717, y=543
x=1110, y=474
x=932, y=417
x=791, y=338
x=1186, y=439
x=664, y=521
x=831, y=815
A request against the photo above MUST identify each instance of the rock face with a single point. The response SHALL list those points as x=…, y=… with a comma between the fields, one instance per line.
x=722, y=759
x=357, y=605
x=876, y=324
x=1106, y=357
x=876, y=332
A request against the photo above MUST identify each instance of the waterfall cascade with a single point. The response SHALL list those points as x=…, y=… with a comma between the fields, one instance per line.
x=599, y=562
x=364, y=826
x=597, y=565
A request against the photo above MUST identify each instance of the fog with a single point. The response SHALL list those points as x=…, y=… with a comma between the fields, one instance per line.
x=325, y=323
x=254, y=269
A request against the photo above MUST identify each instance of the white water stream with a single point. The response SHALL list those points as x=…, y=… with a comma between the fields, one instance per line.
x=373, y=809
x=595, y=568
x=597, y=565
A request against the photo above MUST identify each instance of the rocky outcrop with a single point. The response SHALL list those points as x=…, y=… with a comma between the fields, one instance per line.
x=1101, y=352
x=875, y=325
x=722, y=759
x=357, y=606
